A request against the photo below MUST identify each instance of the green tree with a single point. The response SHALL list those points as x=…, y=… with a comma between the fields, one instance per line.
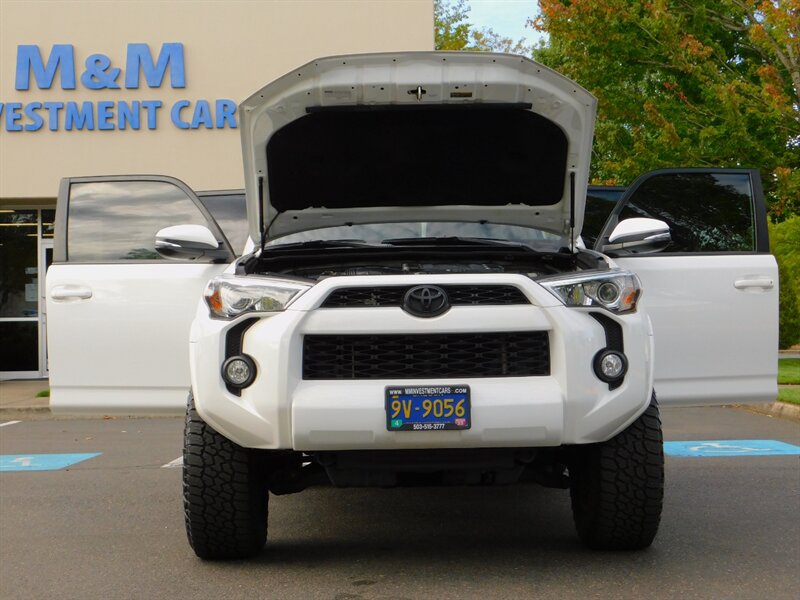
x=686, y=82
x=789, y=324
x=454, y=32
x=784, y=241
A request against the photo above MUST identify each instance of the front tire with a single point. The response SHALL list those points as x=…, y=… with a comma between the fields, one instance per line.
x=225, y=496
x=617, y=487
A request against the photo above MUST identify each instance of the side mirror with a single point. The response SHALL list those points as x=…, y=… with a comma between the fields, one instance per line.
x=639, y=236
x=188, y=242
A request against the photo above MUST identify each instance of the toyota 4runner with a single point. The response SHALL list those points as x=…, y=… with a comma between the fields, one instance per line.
x=417, y=305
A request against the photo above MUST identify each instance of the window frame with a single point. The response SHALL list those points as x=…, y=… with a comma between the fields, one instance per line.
x=227, y=192
x=590, y=189
x=61, y=230
x=758, y=211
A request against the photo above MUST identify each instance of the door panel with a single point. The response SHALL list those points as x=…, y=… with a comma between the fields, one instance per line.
x=712, y=295
x=125, y=348
x=118, y=313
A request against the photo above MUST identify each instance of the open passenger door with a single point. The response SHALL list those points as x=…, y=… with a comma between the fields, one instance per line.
x=712, y=293
x=118, y=312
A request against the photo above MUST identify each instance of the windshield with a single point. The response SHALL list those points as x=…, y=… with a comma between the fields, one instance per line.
x=378, y=232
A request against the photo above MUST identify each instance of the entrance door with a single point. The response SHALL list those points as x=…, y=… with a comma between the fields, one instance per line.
x=19, y=293
x=45, y=260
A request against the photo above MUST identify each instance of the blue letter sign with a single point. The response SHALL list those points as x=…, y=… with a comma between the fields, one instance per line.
x=38, y=68
x=139, y=58
x=30, y=59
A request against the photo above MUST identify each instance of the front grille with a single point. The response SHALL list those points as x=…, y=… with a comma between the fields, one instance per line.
x=426, y=356
x=459, y=295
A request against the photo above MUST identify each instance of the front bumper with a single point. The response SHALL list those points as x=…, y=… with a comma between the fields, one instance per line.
x=281, y=410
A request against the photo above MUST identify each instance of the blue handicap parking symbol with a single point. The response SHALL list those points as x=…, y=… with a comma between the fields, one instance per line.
x=41, y=462
x=730, y=448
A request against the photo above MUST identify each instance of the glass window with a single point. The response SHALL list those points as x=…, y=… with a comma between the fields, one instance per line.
x=48, y=223
x=19, y=273
x=230, y=213
x=706, y=212
x=600, y=202
x=118, y=220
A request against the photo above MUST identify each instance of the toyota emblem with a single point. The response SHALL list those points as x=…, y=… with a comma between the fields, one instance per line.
x=426, y=301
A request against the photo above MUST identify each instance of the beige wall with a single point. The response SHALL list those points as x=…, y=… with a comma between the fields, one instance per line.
x=231, y=49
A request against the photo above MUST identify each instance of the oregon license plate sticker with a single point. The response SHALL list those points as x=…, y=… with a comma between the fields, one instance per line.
x=427, y=408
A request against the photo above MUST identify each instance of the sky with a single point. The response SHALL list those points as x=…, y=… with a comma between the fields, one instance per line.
x=506, y=17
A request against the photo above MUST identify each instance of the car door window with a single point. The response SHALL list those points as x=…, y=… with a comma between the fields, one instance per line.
x=600, y=203
x=230, y=212
x=706, y=211
x=112, y=221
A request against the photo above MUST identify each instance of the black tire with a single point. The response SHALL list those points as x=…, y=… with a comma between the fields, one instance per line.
x=617, y=487
x=225, y=496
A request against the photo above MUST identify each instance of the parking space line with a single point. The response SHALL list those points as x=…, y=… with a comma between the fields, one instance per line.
x=9, y=423
x=173, y=464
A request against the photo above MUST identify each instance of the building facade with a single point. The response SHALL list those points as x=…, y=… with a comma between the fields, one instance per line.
x=144, y=87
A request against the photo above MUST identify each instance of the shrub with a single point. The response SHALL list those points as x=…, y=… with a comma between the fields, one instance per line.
x=785, y=245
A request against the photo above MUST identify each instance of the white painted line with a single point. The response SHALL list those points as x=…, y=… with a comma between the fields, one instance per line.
x=178, y=462
x=9, y=423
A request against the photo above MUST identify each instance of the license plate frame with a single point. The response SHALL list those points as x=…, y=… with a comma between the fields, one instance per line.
x=445, y=399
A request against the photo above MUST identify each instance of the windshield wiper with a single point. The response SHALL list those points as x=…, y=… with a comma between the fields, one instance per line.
x=455, y=241
x=325, y=244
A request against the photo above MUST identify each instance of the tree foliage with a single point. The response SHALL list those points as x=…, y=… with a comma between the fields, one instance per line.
x=784, y=241
x=453, y=31
x=686, y=83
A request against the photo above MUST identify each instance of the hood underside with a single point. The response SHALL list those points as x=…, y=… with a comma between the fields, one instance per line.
x=417, y=137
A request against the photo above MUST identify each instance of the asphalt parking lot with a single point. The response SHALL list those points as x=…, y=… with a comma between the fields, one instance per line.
x=111, y=527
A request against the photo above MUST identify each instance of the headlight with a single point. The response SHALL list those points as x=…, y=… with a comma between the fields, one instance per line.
x=229, y=296
x=616, y=291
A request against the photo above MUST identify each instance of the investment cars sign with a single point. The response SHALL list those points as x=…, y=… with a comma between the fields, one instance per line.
x=41, y=70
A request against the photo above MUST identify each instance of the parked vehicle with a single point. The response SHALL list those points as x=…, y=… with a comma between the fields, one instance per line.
x=418, y=306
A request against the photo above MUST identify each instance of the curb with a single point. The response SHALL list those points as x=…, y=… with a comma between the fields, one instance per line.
x=26, y=413
x=17, y=410
x=36, y=413
x=783, y=410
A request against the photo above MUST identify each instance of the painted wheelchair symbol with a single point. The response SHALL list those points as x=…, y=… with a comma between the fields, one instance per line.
x=720, y=448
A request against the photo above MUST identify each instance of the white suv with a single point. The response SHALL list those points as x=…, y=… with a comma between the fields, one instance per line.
x=418, y=306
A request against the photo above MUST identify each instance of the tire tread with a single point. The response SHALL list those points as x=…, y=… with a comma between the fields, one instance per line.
x=618, y=486
x=225, y=497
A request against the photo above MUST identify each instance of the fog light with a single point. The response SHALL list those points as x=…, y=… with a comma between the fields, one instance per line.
x=239, y=371
x=610, y=365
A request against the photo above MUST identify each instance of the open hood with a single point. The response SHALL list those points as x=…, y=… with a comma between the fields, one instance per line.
x=417, y=136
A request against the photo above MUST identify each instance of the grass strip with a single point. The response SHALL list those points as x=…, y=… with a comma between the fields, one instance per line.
x=790, y=395
x=789, y=371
